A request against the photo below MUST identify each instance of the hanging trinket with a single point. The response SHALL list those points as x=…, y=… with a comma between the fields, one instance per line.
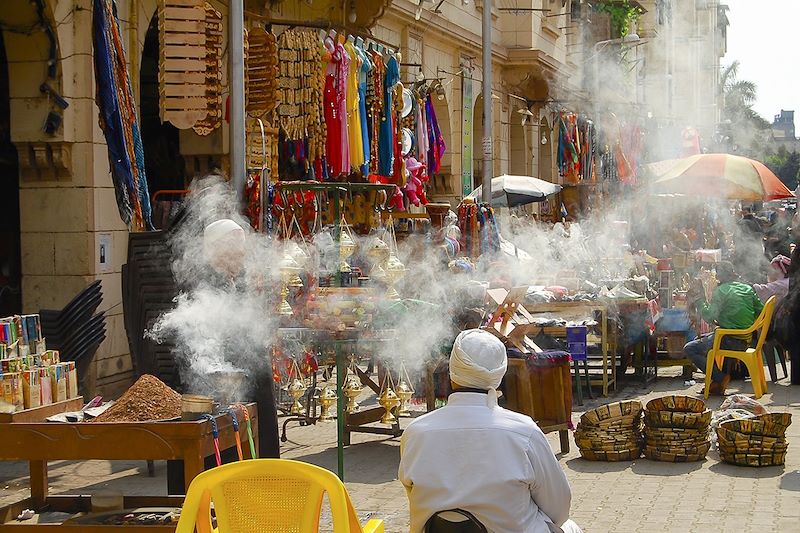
x=352, y=388
x=327, y=398
x=296, y=389
x=388, y=400
x=288, y=269
x=404, y=391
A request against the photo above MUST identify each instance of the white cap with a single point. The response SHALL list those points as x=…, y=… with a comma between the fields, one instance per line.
x=218, y=231
x=478, y=360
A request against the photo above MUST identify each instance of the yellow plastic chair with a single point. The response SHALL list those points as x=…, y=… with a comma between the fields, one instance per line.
x=751, y=357
x=268, y=496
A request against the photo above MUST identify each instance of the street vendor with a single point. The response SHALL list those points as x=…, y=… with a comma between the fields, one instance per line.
x=224, y=251
x=477, y=457
x=734, y=305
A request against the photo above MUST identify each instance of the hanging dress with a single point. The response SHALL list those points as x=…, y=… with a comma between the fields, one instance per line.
x=353, y=114
x=333, y=114
x=386, y=138
x=436, y=142
x=365, y=66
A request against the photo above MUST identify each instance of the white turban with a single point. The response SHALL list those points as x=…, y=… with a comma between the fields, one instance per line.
x=216, y=232
x=479, y=361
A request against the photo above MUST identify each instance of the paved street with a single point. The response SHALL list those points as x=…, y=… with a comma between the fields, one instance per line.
x=607, y=497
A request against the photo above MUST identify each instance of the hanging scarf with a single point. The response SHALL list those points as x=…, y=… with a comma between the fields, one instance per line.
x=118, y=118
x=436, y=144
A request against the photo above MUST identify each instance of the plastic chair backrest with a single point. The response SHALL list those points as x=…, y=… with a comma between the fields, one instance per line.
x=763, y=322
x=454, y=521
x=275, y=495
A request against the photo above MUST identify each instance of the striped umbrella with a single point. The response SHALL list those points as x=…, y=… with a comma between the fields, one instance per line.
x=725, y=176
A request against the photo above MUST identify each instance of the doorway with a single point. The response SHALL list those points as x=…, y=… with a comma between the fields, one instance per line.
x=10, y=259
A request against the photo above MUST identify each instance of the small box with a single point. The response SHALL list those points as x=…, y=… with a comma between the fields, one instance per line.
x=46, y=396
x=24, y=349
x=12, y=390
x=72, y=379
x=40, y=346
x=31, y=389
x=10, y=365
x=58, y=383
x=50, y=357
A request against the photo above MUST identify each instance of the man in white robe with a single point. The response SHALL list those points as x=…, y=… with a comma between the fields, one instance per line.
x=478, y=457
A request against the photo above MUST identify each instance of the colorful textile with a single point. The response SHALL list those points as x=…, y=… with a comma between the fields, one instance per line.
x=387, y=134
x=436, y=144
x=355, y=140
x=118, y=117
x=365, y=66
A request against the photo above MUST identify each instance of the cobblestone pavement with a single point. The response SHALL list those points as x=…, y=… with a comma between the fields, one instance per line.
x=607, y=497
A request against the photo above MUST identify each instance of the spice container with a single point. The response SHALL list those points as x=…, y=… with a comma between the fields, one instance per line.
x=193, y=406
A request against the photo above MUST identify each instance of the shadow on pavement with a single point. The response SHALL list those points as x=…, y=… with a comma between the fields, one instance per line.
x=371, y=463
x=747, y=472
x=646, y=467
x=791, y=481
x=579, y=464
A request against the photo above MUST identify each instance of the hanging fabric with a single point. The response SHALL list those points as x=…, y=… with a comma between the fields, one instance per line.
x=386, y=139
x=436, y=144
x=118, y=118
x=353, y=113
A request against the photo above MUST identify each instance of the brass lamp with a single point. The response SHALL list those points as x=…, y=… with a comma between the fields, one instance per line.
x=327, y=399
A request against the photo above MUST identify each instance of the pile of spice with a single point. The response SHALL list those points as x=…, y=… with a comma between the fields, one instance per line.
x=147, y=399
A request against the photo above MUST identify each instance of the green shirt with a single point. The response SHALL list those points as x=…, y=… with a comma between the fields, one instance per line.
x=733, y=305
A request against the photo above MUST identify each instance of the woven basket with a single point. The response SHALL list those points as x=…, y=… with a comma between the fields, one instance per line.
x=667, y=434
x=624, y=455
x=677, y=403
x=672, y=457
x=742, y=459
x=725, y=447
x=612, y=413
x=736, y=438
x=677, y=419
x=768, y=425
x=607, y=444
x=698, y=449
x=675, y=444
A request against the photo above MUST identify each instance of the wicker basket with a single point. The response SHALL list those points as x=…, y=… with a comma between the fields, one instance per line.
x=613, y=413
x=728, y=448
x=682, y=404
x=735, y=438
x=623, y=455
x=672, y=457
x=768, y=425
x=677, y=419
x=697, y=449
x=743, y=459
x=612, y=446
x=671, y=434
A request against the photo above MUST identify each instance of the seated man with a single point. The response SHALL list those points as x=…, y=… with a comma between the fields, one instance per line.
x=475, y=456
x=734, y=305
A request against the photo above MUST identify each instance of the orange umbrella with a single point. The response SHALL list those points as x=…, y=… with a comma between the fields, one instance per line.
x=718, y=175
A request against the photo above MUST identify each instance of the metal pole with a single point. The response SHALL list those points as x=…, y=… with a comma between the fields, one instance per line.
x=237, y=132
x=486, y=184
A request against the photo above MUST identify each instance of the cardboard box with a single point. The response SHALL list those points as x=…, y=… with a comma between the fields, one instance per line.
x=72, y=380
x=12, y=390
x=50, y=357
x=46, y=396
x=58, y=382
x=31, y=389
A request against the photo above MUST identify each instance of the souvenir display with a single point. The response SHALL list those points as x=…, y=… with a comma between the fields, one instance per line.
x=213, y=80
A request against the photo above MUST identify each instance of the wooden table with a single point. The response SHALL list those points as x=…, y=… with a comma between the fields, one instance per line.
x=40, y=442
